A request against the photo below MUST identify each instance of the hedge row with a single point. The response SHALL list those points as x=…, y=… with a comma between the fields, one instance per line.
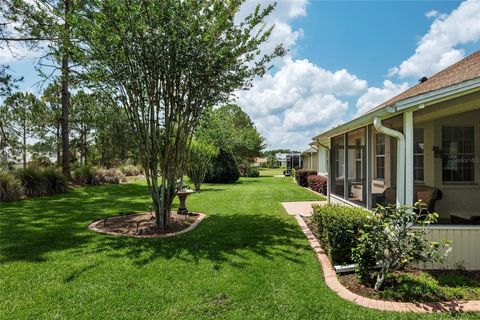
x=31, y=182
x=94, y=176
x=317, y=183
x=338, y=230
x=302, y=175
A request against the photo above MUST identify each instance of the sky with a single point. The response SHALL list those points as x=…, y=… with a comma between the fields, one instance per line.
x=344, y=58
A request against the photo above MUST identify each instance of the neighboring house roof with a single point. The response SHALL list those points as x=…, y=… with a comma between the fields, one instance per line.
x=459, y=77
x=260, y=160
x=310, y=150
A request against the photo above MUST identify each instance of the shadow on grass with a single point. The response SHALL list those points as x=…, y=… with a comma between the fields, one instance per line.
x=218, y=238
x=31, y=229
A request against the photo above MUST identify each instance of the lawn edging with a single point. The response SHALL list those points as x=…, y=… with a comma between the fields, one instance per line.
x=201, y=216
x=334, y=284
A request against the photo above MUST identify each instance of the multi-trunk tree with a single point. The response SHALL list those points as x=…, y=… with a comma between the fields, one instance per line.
x=167, y=62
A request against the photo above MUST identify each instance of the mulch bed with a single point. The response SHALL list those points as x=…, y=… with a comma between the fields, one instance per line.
x=143, y=224
x=350, y=280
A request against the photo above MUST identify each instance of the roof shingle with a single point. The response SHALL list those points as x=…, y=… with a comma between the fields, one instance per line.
x=465, y=69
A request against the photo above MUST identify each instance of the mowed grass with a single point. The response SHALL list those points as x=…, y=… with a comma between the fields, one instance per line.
x=247, y=260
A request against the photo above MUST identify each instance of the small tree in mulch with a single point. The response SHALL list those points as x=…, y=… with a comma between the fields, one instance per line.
x=391, y=240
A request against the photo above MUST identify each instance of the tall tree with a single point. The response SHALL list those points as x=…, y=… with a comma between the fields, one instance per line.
x=167, y=62
x=50, y=120
x=46, y=25
x=84, y=111
x=229, y=128
x=19, y=114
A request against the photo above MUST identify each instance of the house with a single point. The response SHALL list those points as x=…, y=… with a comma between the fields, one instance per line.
x=258, y=162
x=310, y=158
x=421, y=144
x=289, y=160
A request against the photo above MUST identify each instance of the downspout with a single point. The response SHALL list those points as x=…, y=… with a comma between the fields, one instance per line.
x=400, y=158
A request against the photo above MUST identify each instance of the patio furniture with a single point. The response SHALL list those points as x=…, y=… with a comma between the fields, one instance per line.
x=465, y=217
x=429, y=196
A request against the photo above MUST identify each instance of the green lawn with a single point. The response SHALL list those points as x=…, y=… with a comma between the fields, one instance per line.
x=246, y=260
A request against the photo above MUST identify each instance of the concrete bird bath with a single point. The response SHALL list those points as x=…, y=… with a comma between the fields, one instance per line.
x=182, y=196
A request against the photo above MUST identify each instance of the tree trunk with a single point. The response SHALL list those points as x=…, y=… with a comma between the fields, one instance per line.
x=58, y=145
x=65, y=96
x=24, y=147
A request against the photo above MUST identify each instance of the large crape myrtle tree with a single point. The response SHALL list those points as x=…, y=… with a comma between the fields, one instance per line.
x=167, y=62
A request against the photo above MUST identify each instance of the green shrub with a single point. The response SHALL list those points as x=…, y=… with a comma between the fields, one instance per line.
x=10, y=187
x=224, y=169
x=131, y=170
x=33, y=181
x=252, y=172
x=55, y=182
x=112, y=176
x=301, y=176
x=86, y=175
x=421, y=286
x=338, y=230
x=40, y=182
x=408, y=287
x=390, y=239
x=200, y=161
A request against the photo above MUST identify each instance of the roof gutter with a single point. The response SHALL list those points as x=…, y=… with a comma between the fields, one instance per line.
x=400, y=158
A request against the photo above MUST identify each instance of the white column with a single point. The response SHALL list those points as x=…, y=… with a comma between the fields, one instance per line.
x=368, y=169
x=408, y=132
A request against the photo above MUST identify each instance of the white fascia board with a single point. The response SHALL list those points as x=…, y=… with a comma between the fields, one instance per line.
x=432, y=96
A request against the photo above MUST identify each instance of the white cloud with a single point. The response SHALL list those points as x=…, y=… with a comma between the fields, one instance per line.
x=375, y=96
x=432, y=14
x=317, y=111
x=284, y=13
x=16, y=51
x=439, y=47
x=299, y=100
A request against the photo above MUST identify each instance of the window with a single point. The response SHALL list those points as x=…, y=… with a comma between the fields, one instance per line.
x=458, y=154
x=380, y=156
x=418, y=145
x=338, y=165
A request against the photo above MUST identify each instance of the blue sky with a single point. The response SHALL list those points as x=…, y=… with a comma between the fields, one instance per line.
x=345, y=57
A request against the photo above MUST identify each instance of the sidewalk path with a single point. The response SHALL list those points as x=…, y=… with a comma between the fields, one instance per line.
x=302, y=208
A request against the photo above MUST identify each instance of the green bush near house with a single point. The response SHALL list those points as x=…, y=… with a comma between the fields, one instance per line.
x=301, y=176
x=422, y=286
x=10, y=187
x=338, y=230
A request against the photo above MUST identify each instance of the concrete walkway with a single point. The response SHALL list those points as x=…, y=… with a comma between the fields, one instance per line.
x=302, y=208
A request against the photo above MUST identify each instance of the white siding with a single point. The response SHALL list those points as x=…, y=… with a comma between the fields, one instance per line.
x=465, y=243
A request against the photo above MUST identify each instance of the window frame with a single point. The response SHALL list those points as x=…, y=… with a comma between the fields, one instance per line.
x=419, y=154
x=377, y=156
x=462, y=154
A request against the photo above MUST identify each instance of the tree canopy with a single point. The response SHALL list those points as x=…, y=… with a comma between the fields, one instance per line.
x=229, y=128
x=167, y=63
